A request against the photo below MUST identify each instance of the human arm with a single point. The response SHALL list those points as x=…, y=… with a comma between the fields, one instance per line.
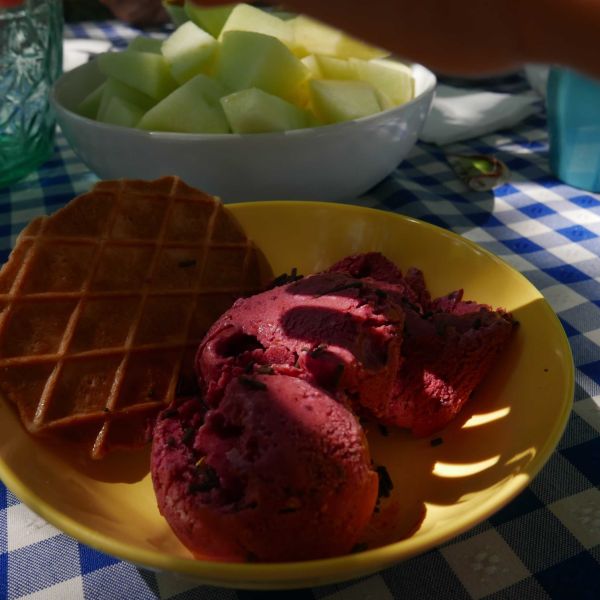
x=468, y=37
x=137, y=12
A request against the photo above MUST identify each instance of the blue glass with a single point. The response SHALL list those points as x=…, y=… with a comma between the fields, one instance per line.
x=573, y=102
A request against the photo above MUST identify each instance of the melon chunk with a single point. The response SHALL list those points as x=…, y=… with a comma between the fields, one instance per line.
x=143, y=43
x=89, y=106
x=315, y=37
x=175, y=12
x=384, y=101
x=209, y=18
x=283, y=14
x=188, y=50
x=272, y=74
x=149, y=73
x=335, y=68
x=311, y=63
x=393, y=80
x=119, y=111
x=127, y=97
x=255, y=111
x=249, y=18
x=249, y=59
x=192, y=108
x=335, y=100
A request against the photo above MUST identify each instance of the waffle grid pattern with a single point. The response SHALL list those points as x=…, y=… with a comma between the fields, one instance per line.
x=80, y=378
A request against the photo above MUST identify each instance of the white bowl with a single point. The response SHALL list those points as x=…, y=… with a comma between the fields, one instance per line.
x=333, y=162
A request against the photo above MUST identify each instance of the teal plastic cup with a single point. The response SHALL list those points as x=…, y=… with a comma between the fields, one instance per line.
x=30, y=61
x=573, y=104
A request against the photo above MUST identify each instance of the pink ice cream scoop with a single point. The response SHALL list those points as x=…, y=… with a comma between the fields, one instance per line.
x=273, y=465
x=278, y=471
x=449, y=345
x=332, y=330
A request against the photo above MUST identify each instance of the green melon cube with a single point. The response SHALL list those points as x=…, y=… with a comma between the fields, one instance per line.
x=315, y=37
x=176, y=12
x=314, y=121
x=249, y=59
x=89, y=106
x=284, y=15
x=149, y=73
x=113, y=88
x=301, y=96
x=119, y=111
x=311, y=63
x=143, y=43
x=394, y=80
x=335, y=68
x=335, y=101
x=384, y=100
x=255, y=111
x=209, y=18
x=189, y=51
x=249, y=18
x=192, y=108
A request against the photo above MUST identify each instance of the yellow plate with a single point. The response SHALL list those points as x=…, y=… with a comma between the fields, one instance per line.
x=488, y=455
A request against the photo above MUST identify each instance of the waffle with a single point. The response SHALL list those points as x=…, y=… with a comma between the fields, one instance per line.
x=104, y=303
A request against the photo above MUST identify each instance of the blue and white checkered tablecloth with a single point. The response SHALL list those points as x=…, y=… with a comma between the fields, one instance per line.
x=544, y=544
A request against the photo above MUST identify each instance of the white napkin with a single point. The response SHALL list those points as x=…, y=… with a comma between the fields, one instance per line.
x=78, y=52
x=459, y=114
x=537, y=76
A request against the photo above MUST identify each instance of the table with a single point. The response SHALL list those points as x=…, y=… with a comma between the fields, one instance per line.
x=545, y=543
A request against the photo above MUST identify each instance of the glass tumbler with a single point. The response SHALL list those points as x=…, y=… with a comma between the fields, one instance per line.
x=30, y=62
